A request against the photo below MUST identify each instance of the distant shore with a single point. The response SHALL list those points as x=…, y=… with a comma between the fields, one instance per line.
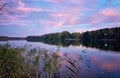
x=6, y=38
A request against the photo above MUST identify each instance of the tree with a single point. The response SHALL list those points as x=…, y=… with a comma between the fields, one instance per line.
x=65, y=35
x=75, y=35
x=86, y=36
x=2, y=6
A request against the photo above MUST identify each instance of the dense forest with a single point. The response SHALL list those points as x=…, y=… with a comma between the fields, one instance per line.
x=102, y=34
x=105, y=37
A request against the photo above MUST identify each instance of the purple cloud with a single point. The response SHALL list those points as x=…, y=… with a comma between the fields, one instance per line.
x=53, y=15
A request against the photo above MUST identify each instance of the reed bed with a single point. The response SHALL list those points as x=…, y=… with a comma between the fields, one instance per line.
x=27, y=62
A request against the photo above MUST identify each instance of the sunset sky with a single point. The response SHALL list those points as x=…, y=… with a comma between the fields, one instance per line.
x=36, y=17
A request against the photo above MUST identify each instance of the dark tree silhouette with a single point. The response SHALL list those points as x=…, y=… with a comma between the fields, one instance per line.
x=2, y=6
x=102, y=34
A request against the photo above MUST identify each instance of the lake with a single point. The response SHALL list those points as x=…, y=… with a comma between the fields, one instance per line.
x=100, y=59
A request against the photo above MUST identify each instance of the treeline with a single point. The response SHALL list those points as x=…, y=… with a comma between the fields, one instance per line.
x=3, y=38
x=6, y=38
x=55, y=37
x=102, y=34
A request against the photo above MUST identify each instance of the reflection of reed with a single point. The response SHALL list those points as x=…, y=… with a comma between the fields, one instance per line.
x=26, y=62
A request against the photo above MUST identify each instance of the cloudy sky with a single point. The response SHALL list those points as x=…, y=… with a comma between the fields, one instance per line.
x=36, y=17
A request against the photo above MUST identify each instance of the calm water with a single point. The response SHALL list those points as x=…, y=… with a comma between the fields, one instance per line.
x=100, y=60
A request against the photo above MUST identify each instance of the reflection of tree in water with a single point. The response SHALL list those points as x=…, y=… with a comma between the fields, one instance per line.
x=104, y=45
x=105, y=39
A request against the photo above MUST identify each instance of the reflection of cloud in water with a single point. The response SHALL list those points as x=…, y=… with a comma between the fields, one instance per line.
x=109, y=66
x=58, y=53
x=109, y=63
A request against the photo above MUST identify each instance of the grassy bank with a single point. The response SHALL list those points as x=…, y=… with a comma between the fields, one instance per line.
x=27, y=62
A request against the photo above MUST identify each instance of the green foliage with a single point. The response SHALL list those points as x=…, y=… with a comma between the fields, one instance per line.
x=102, y=34
x=11, y=62
x=109, y=36
x=26, y=62
x=55, y=37
x=75, y=35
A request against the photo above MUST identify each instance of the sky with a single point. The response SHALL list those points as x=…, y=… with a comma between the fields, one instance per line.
x=36, y=17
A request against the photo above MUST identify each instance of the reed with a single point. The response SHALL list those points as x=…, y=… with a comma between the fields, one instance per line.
x=27, y=62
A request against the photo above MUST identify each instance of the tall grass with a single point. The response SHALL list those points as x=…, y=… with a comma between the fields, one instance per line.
x=27, y=62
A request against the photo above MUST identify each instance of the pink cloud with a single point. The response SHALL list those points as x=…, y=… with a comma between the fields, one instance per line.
x=29, y=9
x=51, y=23
x=110, y=12
x=7, y=17
x=76, y=2
x=23, y=8
x=68, y=17
x=13, y=20
x=65, y=15
x=54, y=0
x=95, y=18
x=18, y=14
x=73, y=14
x=79, y=30
x=105, y=15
